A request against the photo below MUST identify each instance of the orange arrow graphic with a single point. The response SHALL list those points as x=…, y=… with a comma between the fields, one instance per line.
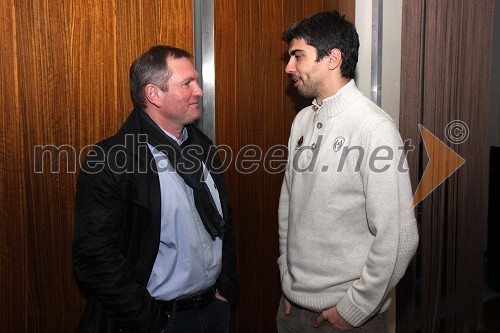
x=443, y=162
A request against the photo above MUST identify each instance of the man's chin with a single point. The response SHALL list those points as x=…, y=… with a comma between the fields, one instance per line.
x=195, y=116
x=305, y=94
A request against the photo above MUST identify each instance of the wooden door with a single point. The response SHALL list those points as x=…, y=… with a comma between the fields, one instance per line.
x=63, y=86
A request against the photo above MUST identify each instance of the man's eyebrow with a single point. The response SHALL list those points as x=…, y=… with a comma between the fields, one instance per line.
x=189, y=79
x=292, y=53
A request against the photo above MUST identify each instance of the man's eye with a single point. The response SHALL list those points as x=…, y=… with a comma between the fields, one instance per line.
x=297, y=57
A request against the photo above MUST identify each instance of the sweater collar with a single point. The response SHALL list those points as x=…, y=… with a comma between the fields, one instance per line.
x=339, y=102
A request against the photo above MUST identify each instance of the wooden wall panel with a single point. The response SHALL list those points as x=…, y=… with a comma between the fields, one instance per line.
x=13, y=274
x=255, y=105
x=64, y=83
x=438, y=87
x=410, y=115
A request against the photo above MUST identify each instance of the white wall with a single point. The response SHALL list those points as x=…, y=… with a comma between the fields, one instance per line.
x=391, y=52
x=363, y=14
x=391, y=70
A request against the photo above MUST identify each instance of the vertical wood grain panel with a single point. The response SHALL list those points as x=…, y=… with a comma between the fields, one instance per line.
x=410, y=115
x=454, y=214
x=347, y=7
x=13, y=273
x=226, y=112
x=142, y=24
x=439, y=85
x=64, y=84
x=255, y=107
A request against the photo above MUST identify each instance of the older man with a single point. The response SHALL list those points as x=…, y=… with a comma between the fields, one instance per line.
x=153, y=244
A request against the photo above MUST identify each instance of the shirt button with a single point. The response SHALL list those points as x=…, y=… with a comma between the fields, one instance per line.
x=319, y=125
x=313, y=146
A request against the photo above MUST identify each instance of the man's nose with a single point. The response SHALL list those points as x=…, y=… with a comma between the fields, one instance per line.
x=290, y=67
x=197, y=90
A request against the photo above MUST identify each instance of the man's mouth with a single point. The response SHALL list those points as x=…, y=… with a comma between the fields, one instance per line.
x=296, y=80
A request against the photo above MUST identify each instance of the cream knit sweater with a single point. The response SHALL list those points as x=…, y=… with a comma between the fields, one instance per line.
x=346, y=234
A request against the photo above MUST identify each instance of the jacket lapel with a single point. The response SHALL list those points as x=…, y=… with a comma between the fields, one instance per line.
x=145, y=190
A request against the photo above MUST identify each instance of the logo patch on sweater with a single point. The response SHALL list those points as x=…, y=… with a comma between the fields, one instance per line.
x=299, y=142
x=339, y=142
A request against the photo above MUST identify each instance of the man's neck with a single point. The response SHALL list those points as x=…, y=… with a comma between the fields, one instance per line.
x=176, y=133
x=173, y=129
x=334, y=88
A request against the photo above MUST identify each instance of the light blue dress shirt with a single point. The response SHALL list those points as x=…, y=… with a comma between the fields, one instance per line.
x=188, y=260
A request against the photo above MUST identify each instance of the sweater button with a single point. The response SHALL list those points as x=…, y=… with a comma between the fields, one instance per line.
x=319, y=125
x=313, y=146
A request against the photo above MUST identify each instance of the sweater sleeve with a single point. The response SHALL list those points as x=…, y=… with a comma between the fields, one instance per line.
x=283, y=214
x=388, y=193
x=283, y=225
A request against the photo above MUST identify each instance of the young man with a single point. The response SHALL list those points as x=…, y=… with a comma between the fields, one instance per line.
x=153, y=244
x=346, y=234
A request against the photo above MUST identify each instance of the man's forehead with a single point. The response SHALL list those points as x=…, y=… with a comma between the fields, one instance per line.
x=183, y=66
x=300, y=45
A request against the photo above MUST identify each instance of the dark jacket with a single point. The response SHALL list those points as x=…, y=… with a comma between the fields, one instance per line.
x=117, y=233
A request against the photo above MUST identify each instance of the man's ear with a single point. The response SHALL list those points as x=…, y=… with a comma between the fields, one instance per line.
x=334, y=59
x=153, y=94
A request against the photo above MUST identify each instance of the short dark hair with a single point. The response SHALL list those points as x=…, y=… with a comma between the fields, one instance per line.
x=327, y=31
x=152, y=67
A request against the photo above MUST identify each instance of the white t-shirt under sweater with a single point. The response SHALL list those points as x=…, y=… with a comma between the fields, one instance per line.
x=346, y=233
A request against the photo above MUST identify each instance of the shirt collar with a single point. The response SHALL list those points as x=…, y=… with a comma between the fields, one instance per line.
x=184, y=136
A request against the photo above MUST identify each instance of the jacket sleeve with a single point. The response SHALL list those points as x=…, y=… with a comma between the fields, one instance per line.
x=100, y=266
x=226, y=283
